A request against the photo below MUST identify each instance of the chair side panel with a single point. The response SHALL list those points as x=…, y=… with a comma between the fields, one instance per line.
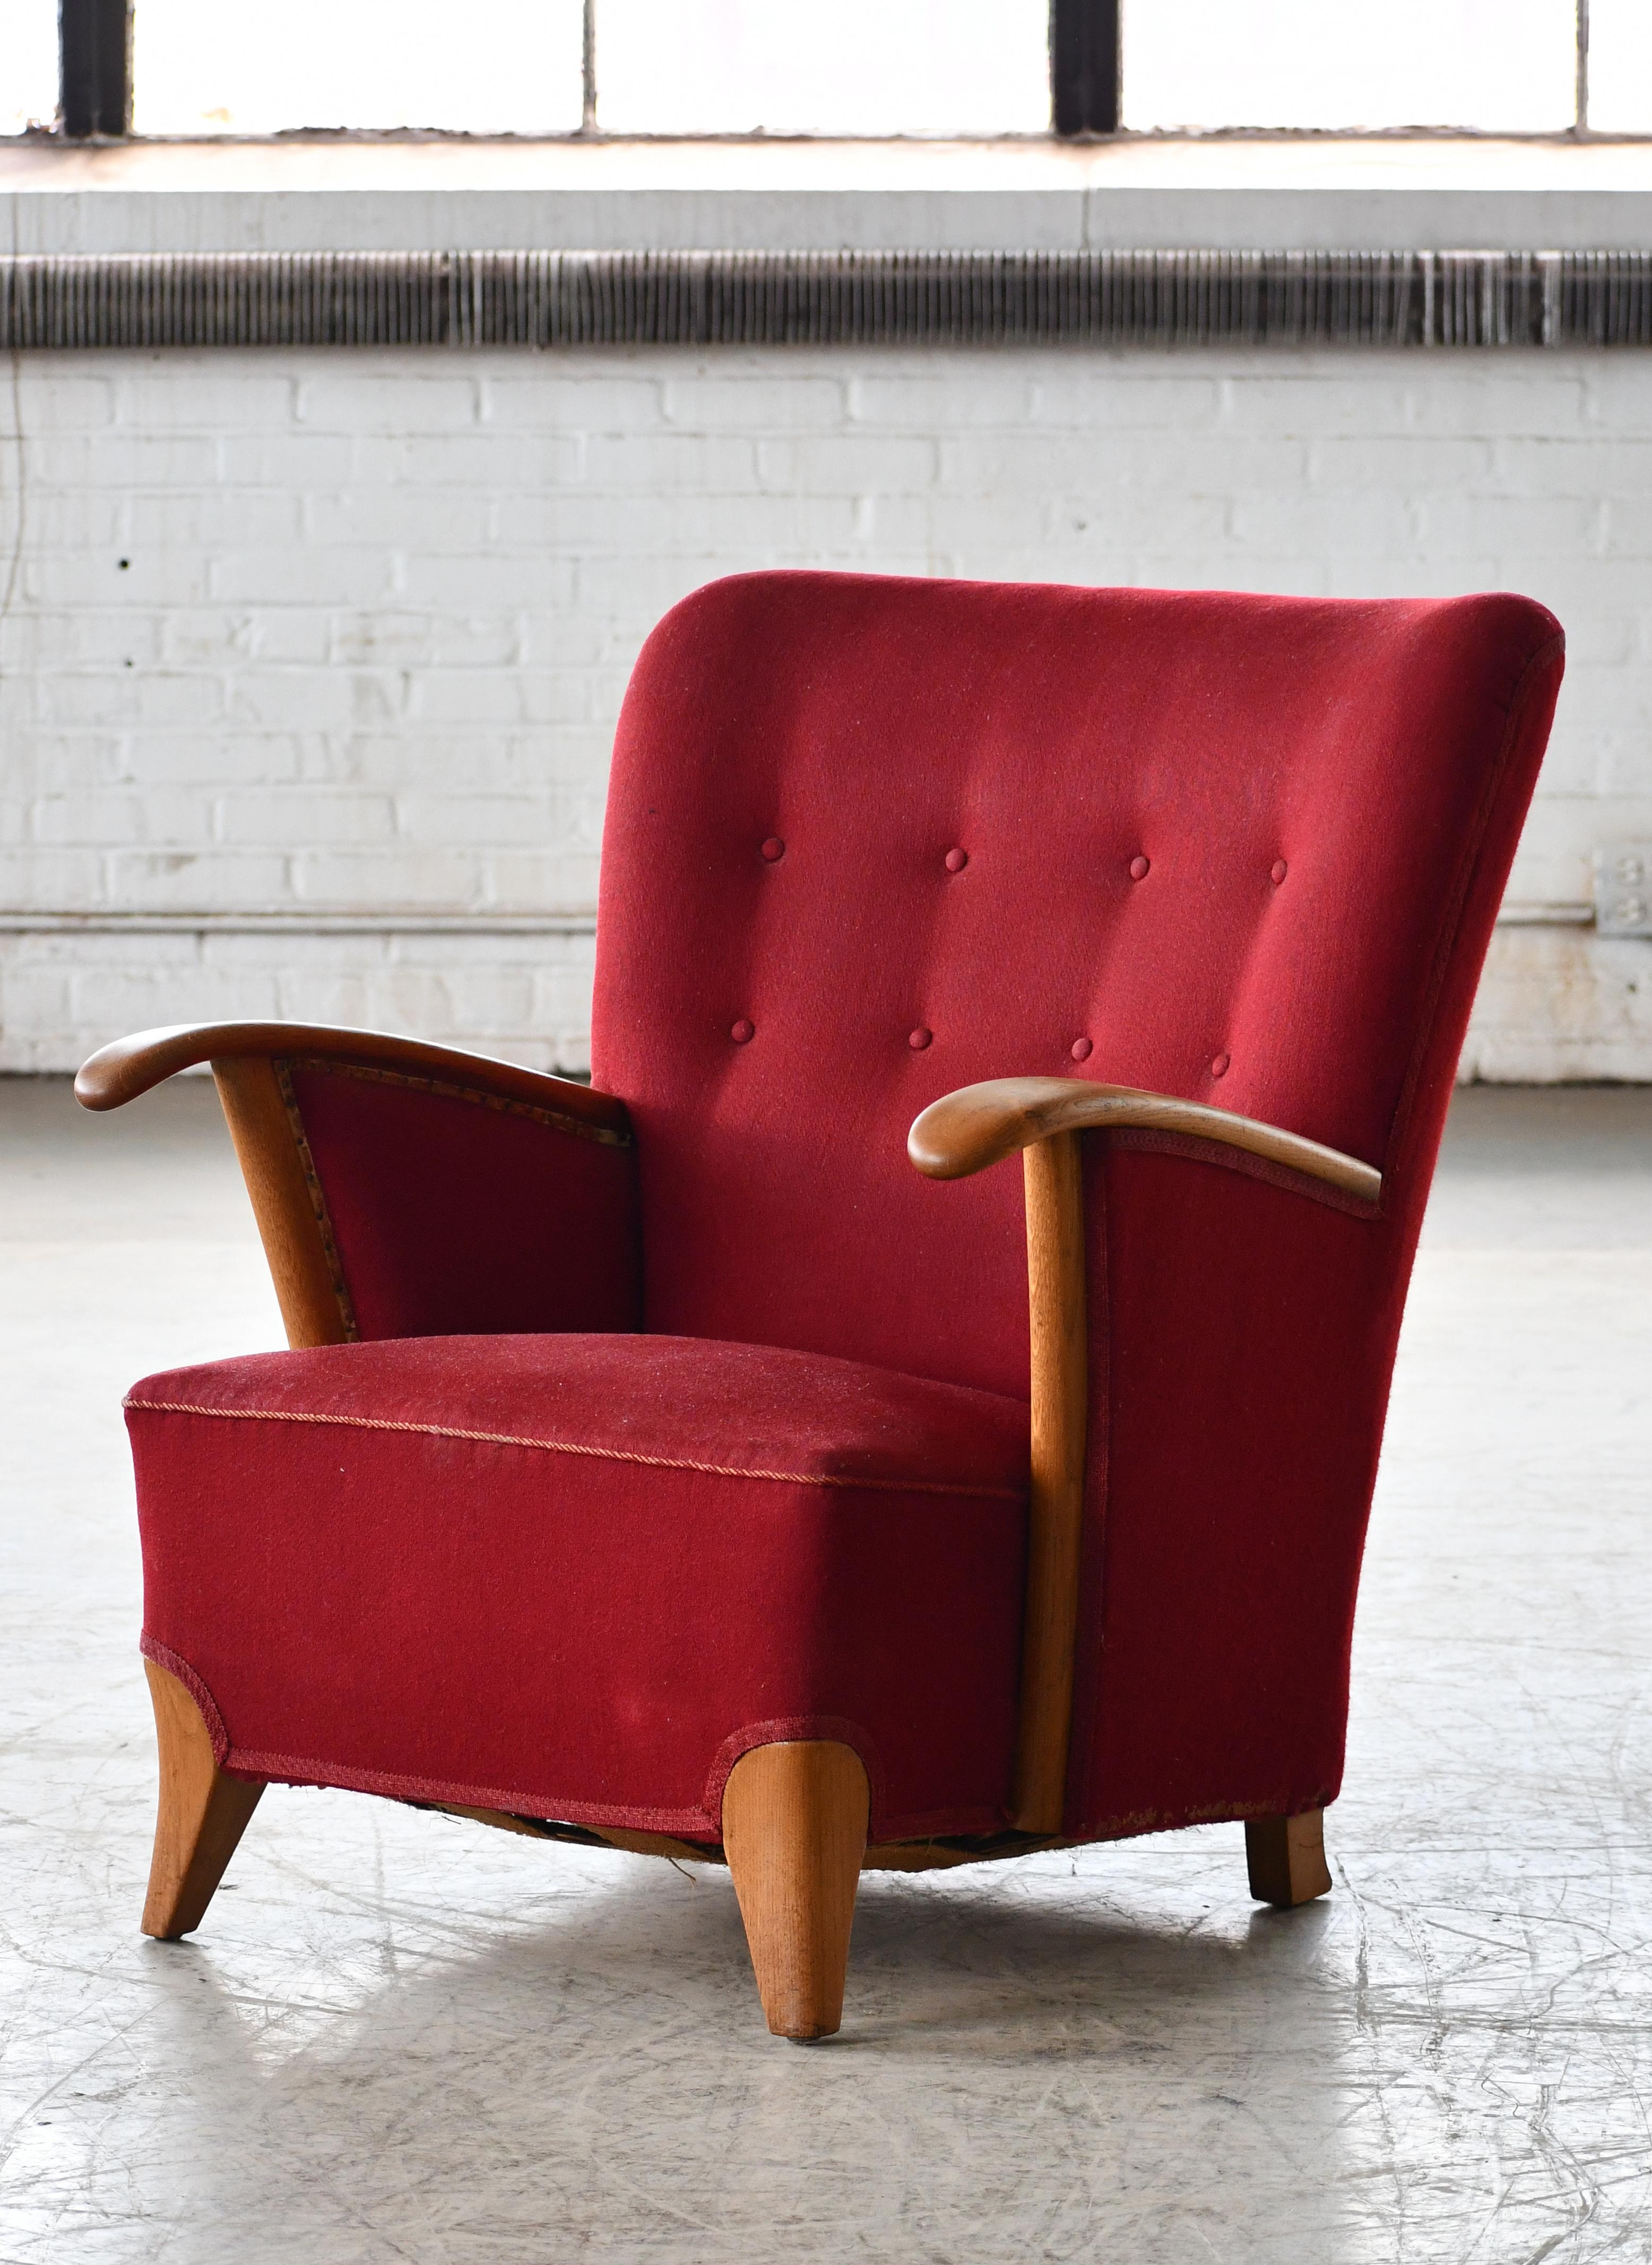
x=1243, y=1339
x=451, y=1211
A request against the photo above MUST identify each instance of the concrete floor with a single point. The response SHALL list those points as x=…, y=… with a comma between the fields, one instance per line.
x=400, y=2037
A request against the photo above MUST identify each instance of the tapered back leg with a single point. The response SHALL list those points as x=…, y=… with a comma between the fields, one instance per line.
x=202, y=1815
x=794, y=1831
x=1286, y=1858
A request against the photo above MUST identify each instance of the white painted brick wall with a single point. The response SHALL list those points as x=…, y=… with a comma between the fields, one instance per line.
x=333, y=634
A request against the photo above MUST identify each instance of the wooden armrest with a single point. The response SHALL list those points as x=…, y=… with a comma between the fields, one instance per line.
x=980, y=1124
x=963, y=1132
x=118, y=1073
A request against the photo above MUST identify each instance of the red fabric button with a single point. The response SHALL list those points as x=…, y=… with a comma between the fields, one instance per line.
x=774, y=847
x=919, y=1038
x=1081, y=1050
x=742, y=1031
x=1219, y=1068
x=1140, y=868
x=956, y=860
x=1280, y=869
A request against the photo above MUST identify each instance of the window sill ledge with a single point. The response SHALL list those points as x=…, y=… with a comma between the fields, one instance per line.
x=1218, y=195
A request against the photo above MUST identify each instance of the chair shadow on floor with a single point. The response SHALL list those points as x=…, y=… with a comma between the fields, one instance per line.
x=591, y=2053
x=1090, y=1942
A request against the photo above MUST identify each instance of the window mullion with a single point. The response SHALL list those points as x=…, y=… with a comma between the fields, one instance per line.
x=1581, y=120
x=94, y=49
x=1085, y=68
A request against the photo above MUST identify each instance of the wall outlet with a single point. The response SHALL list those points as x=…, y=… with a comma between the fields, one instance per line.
x=1623, y=889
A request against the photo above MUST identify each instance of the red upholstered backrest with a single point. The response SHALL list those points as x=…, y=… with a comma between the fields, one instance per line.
x=1239, y=848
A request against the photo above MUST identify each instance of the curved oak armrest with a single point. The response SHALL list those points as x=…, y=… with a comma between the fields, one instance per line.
x=980, y=1124
x=120, y=1072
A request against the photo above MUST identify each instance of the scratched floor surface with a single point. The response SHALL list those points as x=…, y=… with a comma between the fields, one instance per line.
x=399, y=2037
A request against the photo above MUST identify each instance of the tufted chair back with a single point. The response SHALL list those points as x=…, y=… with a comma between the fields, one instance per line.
x=869, y=840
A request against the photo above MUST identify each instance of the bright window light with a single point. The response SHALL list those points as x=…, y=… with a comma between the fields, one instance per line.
x=28, y=65
x=1506, y=65
x=856, y=67
x=1621, y=66
x=225, y=67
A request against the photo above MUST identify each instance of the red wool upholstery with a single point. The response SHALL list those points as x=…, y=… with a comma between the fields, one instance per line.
x=577, y=1576
x=869, y=841
x=1057, y=737
x=452, y=1212
x=1241, y=1338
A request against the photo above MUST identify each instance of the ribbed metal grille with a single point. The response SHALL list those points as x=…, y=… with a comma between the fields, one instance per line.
x=855, y=298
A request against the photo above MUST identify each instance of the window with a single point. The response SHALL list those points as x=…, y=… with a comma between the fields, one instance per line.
x=28, y=65
x=873, y=67
x=1506, y=66
x=489, y=67
x=855, y=68
x=1621, y=66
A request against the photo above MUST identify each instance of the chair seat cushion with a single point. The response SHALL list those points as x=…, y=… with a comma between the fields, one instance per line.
x=575, y=1576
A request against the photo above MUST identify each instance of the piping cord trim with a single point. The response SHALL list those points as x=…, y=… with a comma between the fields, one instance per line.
x=573, y=1447
x=446, y=1090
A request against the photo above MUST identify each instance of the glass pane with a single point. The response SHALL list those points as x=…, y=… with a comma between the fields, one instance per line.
x=1505, y=65
x=28, y=65
x=1621, y=66
x=223, y=67
x=855, y=67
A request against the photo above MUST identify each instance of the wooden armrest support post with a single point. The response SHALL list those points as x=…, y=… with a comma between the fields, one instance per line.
x=962, y=1133
x=248, y=1060
x=255, y=1108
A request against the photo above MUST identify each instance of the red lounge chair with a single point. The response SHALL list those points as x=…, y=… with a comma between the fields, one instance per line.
x=664, y=1463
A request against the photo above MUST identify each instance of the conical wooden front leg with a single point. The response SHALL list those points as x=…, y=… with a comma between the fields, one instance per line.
x=201, y=1816
x=794, y=1831
x=1286, y=1858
